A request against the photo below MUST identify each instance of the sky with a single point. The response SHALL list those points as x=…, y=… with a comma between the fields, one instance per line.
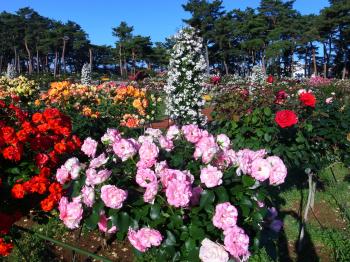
x=156, y=18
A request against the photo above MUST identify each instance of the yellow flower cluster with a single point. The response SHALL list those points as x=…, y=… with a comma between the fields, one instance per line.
x=139, y=102
x=20, y=86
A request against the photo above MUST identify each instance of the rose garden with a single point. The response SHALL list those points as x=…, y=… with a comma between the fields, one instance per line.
x=190, y=160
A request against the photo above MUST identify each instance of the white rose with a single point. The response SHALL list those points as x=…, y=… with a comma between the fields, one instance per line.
x=212, y=252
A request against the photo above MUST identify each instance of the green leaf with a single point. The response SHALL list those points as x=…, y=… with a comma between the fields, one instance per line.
x=267, y=137
x=123, y=222
x=196, y=232
x=170, y=239
x=267, y=111
x=155, y=211
x=207, y=198
x=221, y=193
x=92, y=220
x=248, y=181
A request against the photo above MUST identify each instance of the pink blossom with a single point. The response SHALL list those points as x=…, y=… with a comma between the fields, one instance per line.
x=261, y=169
x=178, y=193
x=166, y=144
x=95, y=178
x=70, y=212
x=112, y=196
x=146, y=163
x=173, y=132
x=73, y=167
x=150, y=193
x=192, y=133
x=88, y=196
x=143, y=139
x=111, y=136
x=62, y=175
x=145, y=177
x=236, y=242
x=124, y=149
x=206, y=148
x=245, y=159
x=153, y=132
x=212, y=252
x=98, y=161
x=148, y=151
x=159, y=167
x=278, y=170
x=89, y=147
x=167, y=175
x=223, y=141
x=144, y=238
x=225, y=216
x=329, y=100
x=103, y=224
x=211, y=176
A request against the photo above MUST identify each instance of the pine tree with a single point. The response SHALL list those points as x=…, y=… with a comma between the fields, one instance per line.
x=185, y=78
x=86, y=74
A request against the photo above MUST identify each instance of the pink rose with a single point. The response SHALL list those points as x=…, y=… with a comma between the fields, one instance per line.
x=70, y=212
x=88, y=196
x=245, y=158
x=278, y=170
x=211, y=176
x=167, y=175
x=192, y=133
x=150, y=193
x=146, y=163
x=148, y=151
x=144, y=238
x=173, y=132
x=261, y=169
x=206, y=148
x=160, y=167
x=89, y=147
x=153, y=132
x=98, y=161
x=225, y=216
x=223, y=141
x=124, y=149
x=212, y=252
x=145, y=177
x=112, y=196
x=62, y=175
x=95, y=178
x=166, y=144
x=329, y=100
x=236, y=242
x=178, y=193
x=110, y=137
x=103, y=224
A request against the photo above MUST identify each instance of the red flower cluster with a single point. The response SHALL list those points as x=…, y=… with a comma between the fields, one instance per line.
x=280, y=97
x=5, y=248
x=286, y=118
x=43, y=139
x=307, y=99
x=215, y=80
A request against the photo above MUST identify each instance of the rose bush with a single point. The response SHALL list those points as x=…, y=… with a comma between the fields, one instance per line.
x=171, y=194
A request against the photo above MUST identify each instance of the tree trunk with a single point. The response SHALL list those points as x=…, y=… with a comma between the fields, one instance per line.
x=18, y=64
x=263, y=66
x=1, y=58
x=37, y=62
x=125, y=67
x=15, y=61
x=30, y=66
x=55, y=65
x=133, y=61
x=226, y=67
x=345, y=63
x=120, y=60
x=91, y=58
x=63, y=54
x=207, y=56
x=314, y=60
x=47, y=69
x=325, y=59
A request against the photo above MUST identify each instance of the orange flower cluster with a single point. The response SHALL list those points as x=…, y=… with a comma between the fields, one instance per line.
x=130, y=121
x=137, y=96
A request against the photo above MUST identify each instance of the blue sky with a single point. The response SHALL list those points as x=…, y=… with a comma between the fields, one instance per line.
x=155, y=18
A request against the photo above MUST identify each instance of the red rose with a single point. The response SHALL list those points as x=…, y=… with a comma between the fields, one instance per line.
x=18, y=191
x=5, y=248
x=270, y=79
x=37, y=118
x=2, y=103
x=286, y=118
x=307, y=99
x=13, y=152
x=41, y=159
x=8, y=133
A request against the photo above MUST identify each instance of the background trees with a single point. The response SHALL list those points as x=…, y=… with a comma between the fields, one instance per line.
x=274, y=36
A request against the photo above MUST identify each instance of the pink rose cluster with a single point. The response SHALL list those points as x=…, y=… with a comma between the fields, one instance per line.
x=71, y=213
x=236, y=242
x=69, y=170
x=260, y=167
x=144, y=238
